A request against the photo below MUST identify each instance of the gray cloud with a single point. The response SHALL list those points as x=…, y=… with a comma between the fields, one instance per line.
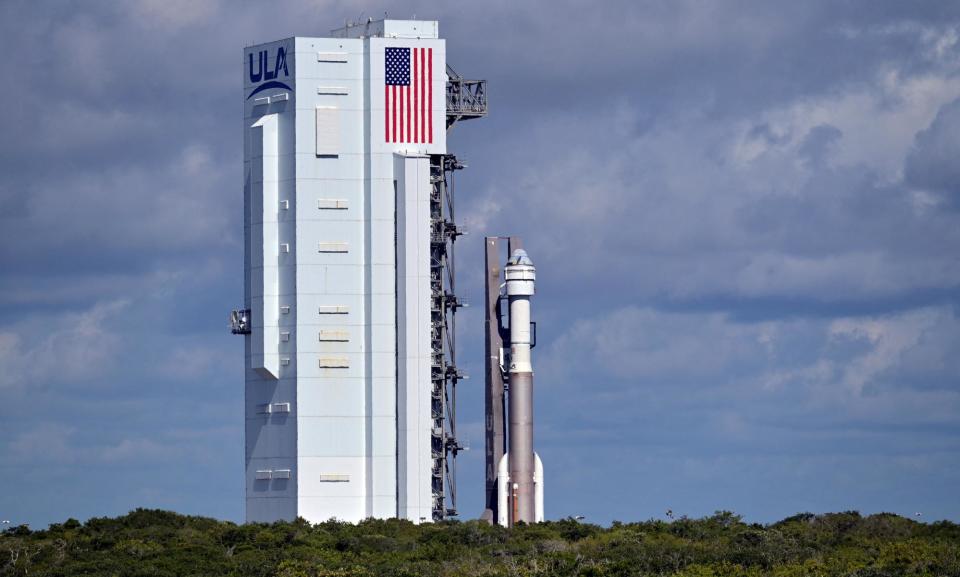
x=932, y=163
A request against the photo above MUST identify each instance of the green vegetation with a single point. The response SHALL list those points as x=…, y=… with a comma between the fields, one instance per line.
x=149, y=542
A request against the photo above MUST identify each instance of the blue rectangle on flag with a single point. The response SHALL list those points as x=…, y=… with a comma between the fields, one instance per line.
x=397, y=64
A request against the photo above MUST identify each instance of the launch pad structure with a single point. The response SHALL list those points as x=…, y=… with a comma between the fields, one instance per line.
x=350, y=294
x=349, y=316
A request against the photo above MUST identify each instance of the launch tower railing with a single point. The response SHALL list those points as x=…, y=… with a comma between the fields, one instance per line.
x=466, y=99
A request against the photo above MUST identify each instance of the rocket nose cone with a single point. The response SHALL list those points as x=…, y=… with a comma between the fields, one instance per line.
x=519, y=256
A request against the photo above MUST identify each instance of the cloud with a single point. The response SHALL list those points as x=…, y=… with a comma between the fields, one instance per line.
x=47, y=441
x=75, y=349
x=65, y=445
x=810, y=372
x=173, y=13
x=196, y=362
x=799, y=201
x=932, y=163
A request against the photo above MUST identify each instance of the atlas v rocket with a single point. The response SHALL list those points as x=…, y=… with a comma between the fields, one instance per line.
x=514, y=472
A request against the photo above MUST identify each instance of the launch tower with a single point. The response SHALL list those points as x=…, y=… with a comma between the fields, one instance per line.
x=350, y=301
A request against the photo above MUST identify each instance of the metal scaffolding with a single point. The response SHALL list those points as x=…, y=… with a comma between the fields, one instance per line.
x=444, y=304
x=466, y=99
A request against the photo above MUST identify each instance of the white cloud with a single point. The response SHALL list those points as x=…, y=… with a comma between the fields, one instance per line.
x=888, y=337
x=47, y=441
x=198, y=360
x=878, y=120
x=697, y=206
x=849, y=368
x=75, y=348
x=174, y=14
x=63, y=444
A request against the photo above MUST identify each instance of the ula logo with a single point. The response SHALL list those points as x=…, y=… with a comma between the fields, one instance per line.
x=263, y=71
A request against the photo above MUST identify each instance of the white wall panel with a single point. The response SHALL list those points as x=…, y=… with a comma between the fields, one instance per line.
x=311, y=469
x=413, y=352
x=332, y=397
x=330, y=437
x=347, y=166
x=319, y=509
x=266, y=239
x=330, y=273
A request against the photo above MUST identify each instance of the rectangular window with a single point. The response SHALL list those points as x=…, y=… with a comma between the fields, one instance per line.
x=333, y=309
x=332, y=247
x=334, y=336
x=332, y=203
x=334, y=363
x=331, y=56
x=328, y=131
x=334, y=478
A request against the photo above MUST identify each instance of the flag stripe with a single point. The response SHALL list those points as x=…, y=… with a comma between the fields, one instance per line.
x=406, y=89
x=394, y=113
x=416, y=97
x=430, y=99
x=386, y=112
x=422, y=124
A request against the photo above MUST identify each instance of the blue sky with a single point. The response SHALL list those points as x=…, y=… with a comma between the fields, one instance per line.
x=745, y=218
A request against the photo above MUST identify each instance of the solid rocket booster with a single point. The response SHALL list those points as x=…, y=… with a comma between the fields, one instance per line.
x=520, y=276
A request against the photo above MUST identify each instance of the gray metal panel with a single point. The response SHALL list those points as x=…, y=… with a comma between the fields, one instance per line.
x=493, y=393
x=521, y=447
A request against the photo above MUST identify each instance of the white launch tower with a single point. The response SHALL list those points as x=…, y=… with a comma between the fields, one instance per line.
x=350, y=372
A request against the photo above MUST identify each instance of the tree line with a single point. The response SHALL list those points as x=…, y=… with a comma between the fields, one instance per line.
x=160, y=543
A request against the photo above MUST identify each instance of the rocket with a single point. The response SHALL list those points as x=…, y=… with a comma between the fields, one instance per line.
x=519, y=470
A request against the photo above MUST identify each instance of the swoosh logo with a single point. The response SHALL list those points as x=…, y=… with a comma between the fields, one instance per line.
x=268, y=86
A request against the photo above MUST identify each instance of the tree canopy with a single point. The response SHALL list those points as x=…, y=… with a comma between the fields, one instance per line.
x=161, y=543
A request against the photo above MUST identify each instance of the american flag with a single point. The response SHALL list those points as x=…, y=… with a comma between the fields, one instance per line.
x=408, y=95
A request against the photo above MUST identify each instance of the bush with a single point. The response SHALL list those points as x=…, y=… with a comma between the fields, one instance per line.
x=152, y=542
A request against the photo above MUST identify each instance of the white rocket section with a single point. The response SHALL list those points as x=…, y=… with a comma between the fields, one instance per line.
x=330, y=291
x=538, y=482
x=504, y=486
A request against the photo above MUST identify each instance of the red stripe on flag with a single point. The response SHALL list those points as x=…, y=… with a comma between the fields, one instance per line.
x=407, y=90
x=386, y=112
x=423, y=127
x=416, y=94
x=430, y=93
x=393, y=108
